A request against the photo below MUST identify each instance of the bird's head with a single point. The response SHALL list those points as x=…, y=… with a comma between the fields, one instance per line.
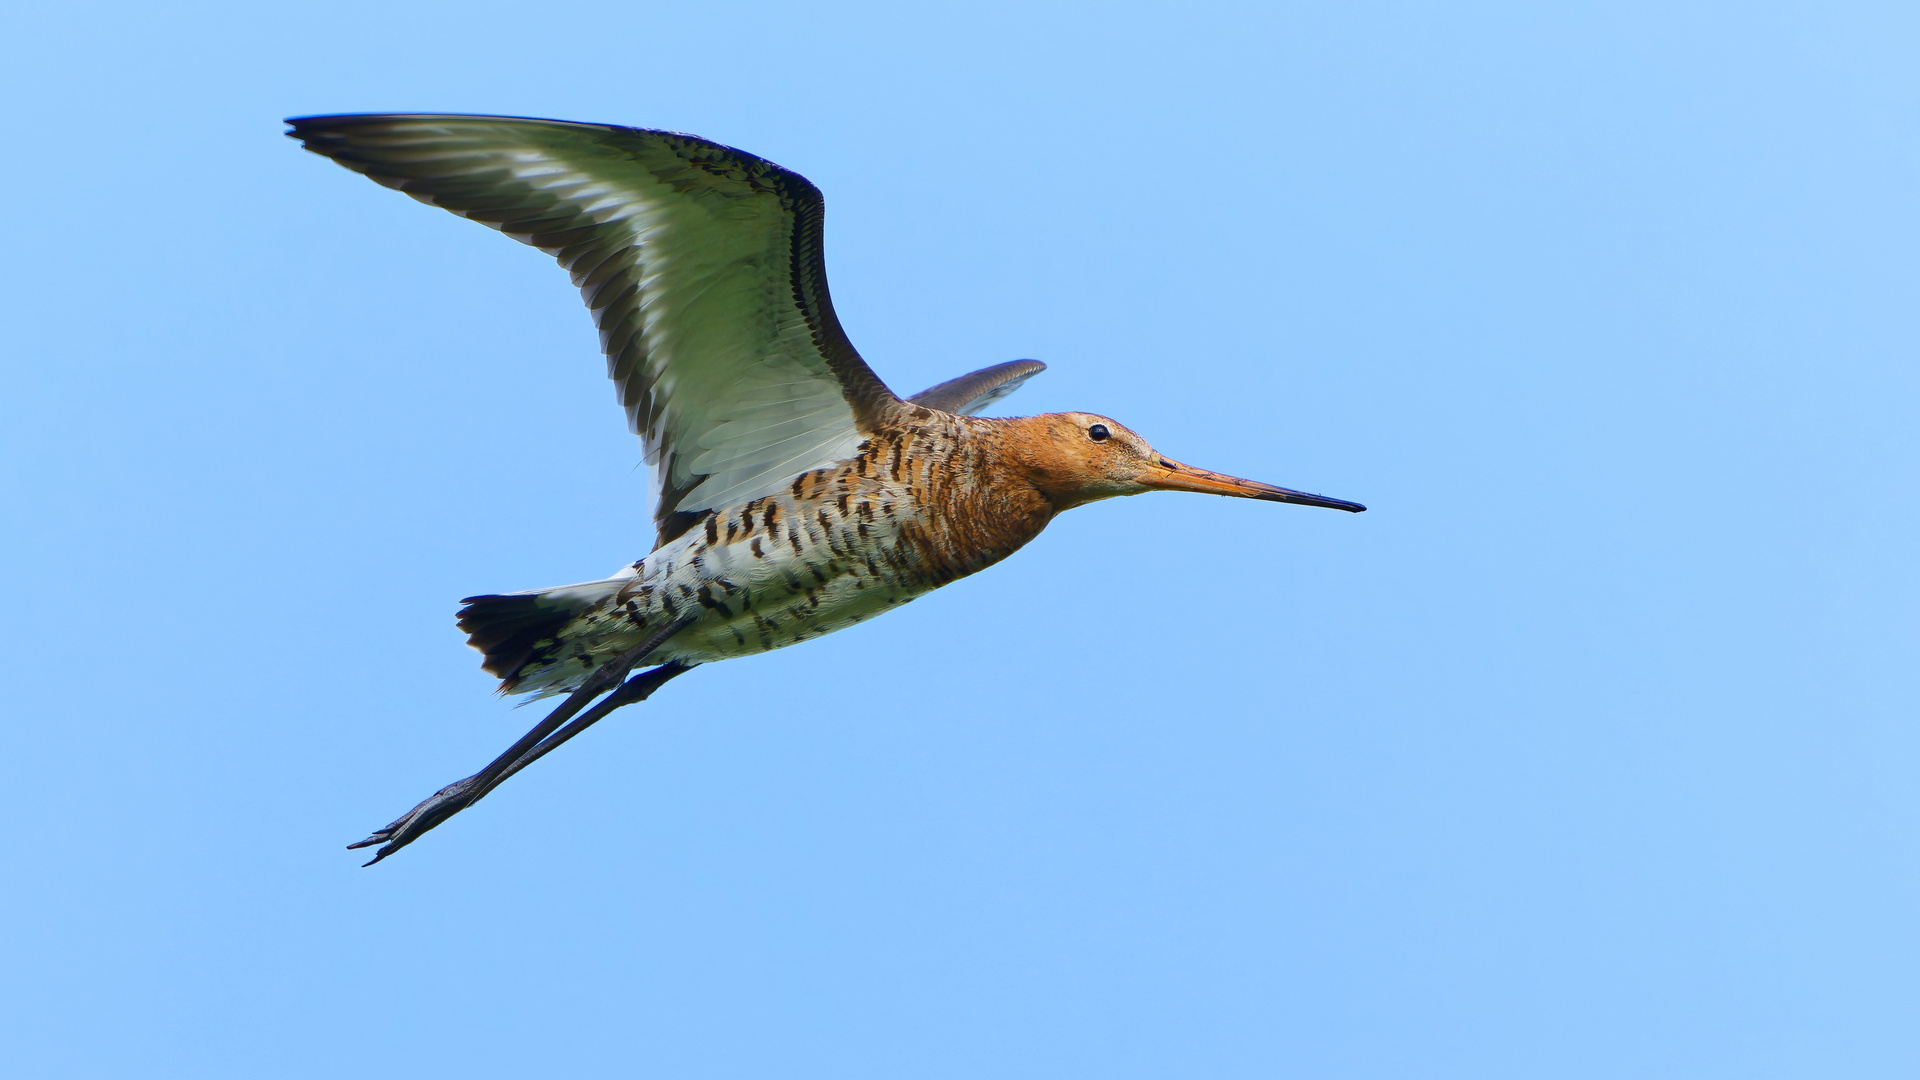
x=1076, y=458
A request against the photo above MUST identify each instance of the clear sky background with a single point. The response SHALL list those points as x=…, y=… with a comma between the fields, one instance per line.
x=1589, y=751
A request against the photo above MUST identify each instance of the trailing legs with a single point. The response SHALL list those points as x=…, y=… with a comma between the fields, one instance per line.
x=536, y=743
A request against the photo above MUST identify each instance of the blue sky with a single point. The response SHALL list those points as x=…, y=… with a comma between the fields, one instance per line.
x=1589, y=751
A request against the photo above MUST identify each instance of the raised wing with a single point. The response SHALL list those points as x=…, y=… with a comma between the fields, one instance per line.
x=700, y=263
x=975, y=390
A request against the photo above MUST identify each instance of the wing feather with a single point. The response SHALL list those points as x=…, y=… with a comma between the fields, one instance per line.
x=975, y=390
x=701, y=265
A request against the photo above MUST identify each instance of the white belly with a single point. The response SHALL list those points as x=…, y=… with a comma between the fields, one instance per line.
x=749, y=590
x=777, y=597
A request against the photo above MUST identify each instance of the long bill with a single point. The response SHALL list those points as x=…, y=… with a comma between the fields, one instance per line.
x=1168, y=475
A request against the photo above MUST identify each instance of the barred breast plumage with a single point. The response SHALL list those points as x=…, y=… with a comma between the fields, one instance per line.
x=909, y=513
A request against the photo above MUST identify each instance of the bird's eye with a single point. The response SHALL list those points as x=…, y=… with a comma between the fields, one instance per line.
x=1099, y=433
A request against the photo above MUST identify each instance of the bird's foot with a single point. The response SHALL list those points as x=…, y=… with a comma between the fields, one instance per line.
x=432, y=810
x=532, y=746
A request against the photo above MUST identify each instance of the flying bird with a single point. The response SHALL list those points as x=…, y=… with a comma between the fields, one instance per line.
x=798, y=495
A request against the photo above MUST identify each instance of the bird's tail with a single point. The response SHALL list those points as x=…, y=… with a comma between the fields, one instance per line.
x=545, y=640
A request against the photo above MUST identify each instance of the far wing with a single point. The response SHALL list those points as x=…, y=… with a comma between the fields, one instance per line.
x=700, y=263
x=975, y=390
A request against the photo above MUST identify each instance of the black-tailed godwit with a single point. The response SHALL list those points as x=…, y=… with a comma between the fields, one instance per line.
x=798, y=495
